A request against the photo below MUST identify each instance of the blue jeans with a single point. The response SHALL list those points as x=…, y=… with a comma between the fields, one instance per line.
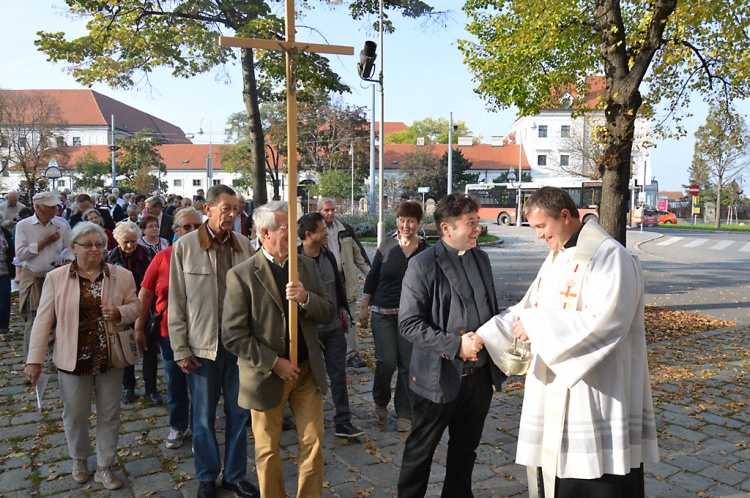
x=392, y=351
x=178, y=398
x=211, y=379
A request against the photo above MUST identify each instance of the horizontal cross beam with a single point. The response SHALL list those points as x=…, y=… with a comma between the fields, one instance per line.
x=229, y=41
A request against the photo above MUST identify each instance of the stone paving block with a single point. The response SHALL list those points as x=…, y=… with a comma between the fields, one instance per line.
x=716, y=457
x=745, y=486
x=157, y=483
x=662, y=469
x=724, y=492
x=688, y=463
x=683, y=433
x=691, y=482
x=142, y=467
x=64, y=483
x=723, y=475
x=15, y=479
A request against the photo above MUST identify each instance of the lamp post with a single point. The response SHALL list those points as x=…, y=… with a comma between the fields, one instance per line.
x=450, y=154
x=351, y=153
x=210, y=158
x=512, y=178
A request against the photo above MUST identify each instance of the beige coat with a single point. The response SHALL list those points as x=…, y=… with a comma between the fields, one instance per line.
x=60, y=301
x=193, y=313
x=351, y=259
x=254, y=328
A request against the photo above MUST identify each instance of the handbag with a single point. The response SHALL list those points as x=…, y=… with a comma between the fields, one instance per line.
x=153, y=327
x=123, y=350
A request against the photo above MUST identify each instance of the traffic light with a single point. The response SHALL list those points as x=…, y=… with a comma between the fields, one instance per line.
x=114, y=148
x=366, y=65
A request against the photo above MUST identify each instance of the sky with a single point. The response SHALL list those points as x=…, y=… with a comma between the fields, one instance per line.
x=424, y=76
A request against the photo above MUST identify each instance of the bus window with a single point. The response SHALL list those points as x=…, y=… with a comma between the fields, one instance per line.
x=592, y=196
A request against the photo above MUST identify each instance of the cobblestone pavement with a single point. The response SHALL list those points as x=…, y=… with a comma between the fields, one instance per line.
x=701, y=393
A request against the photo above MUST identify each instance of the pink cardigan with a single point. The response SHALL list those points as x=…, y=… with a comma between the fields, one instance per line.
x=60, y=300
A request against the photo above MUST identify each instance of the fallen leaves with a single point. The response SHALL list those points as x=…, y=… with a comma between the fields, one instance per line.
x=664, y=324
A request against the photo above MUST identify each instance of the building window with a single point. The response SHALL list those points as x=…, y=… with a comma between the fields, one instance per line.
x=76, y=141
x=60, y=142
x=216, y=181
x=177, y=183
x=541, y=160
x=3, y=141
x=60, y=183
x=565, y=131
x=542, y=131
x=22, y=143
x=197, y=183
x=564, y=160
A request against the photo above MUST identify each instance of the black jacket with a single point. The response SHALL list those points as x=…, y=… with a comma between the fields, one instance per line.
x=104, y=214
x=10, y=253
x=340, y=297
x=165, y=230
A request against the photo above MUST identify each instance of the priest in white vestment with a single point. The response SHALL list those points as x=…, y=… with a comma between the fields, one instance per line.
x=587, y=422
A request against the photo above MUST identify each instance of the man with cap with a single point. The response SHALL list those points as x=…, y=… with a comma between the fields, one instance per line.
x=40, y=241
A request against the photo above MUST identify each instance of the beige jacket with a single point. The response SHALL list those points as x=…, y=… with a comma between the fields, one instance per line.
x=61, y=297
x=193, y=313
x=352, y=257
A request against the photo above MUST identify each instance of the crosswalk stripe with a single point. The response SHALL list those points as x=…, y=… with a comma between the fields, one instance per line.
x=670, y=241
x=745, y=248
x=696, y=242
x=723, y=244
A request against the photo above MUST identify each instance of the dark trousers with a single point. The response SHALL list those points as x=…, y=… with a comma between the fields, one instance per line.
x=333, y=344
x=150, y=367
x=464, y=417
x=631, y=485
x=4, y=302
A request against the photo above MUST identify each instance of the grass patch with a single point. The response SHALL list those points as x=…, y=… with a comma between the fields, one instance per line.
x=707, y=227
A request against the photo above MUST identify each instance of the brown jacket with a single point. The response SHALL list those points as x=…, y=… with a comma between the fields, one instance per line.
x=254, y=328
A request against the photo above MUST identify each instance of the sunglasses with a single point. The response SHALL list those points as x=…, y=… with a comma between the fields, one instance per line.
x=190, y=227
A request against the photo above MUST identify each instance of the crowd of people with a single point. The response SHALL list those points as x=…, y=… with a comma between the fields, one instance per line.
x=205, y=286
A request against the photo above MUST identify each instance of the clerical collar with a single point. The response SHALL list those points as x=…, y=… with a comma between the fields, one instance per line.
x=454, y=252
x=574, y=239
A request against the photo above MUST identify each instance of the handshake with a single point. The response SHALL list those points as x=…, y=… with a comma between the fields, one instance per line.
x=471, y=344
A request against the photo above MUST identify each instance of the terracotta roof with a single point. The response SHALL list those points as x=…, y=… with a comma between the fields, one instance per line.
x=672, y=195
x=89, y=108
x=390, y=127
x=174, y=156
x=597, y=85
x=482, y=156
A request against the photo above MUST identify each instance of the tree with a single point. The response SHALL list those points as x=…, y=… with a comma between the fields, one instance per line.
x=533, y=54
x=31, y=133
x=336, y=184
x=461, y=166
x=586, y=149
x=135, y=159
x=92, y=174
x=422, y=169
x=721, y=151
x=503, y=177
x=434, y=131
x=131, y=37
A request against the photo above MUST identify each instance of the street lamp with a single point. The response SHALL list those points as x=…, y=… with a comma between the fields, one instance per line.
x=210, y=158
x=512, y=178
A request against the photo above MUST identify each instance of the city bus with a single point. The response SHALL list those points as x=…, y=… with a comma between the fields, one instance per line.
x=499, y=201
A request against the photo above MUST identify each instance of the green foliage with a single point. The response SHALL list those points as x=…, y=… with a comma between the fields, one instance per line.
x=336, y=184
x=128, y=39
x=461, y=167
x=92, y=174
x=531, y=54
x=422, y=168
x=434, y=131
x=721, y=152
x=135, y=160
x=503, y=177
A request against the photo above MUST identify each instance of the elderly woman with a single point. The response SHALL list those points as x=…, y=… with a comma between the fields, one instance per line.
x=86, y=299
x=7, y=273
x=93, y=216
x=155, y=288
x=135, y=258
x=383, y=291
x=150, y=239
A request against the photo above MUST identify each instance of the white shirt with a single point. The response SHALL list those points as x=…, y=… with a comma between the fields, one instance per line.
x=29, y=232
x=10, y=213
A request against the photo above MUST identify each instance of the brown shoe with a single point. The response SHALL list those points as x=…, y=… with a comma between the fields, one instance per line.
x=381, y=412
x=80, y=471
x=107, y=479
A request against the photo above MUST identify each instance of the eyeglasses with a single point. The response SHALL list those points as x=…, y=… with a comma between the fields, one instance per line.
x=152, y=226
x=190, y=227
x=89, y=247
x=283, y=227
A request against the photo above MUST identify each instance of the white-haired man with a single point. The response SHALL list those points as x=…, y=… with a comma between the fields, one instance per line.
x=9, y=210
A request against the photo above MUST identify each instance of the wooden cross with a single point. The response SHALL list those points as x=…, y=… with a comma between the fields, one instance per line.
x=292, y=49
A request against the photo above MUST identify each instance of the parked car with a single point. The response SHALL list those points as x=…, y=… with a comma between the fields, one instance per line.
x=667, y=218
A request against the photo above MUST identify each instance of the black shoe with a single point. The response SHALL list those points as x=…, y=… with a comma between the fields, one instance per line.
x=128, y=396
x=243, y=489
x=287, y=424
x=348, y=431
x=356, y=361
x=206, y=489
x=154, y=398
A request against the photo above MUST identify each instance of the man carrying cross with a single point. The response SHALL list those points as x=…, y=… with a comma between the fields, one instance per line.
x=587, y=423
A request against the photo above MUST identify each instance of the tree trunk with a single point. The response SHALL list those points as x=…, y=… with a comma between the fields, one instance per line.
x=718, y=202
x=257, y=145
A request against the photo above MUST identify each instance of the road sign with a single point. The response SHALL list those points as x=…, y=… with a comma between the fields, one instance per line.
x=694, y=189
x=423, y=190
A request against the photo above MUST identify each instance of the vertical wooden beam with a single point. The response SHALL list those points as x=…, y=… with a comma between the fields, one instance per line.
x=291, y=129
